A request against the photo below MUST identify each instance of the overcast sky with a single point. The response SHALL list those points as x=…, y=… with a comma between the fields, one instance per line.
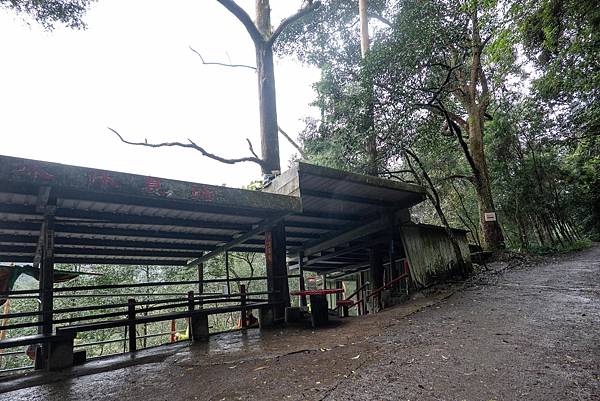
x=132, y=70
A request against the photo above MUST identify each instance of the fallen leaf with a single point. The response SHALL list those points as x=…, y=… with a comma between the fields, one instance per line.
x=356, y=357
x=260, y=368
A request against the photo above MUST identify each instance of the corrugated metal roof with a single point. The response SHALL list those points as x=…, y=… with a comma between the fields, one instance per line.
x=111, y=217
x=341, y=202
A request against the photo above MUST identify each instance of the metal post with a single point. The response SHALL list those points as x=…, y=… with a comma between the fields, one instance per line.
x=359, y=284
x=243, y=314
x=301, y=278
x=201, y=281
x=375, y=277
x=339, y=295
x=190, y=297
x=131, y=325
x=227, y=272
x=47, y=279
x=276, y=267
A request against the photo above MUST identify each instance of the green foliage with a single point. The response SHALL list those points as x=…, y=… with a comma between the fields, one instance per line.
x=541, y=130
x=575, y=246
x=112, y=341
x=48, y=13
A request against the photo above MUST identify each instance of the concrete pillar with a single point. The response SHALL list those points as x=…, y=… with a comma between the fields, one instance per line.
x=199, y=327
x=60, y=355
x=201, y=281
x=277, y=275
x=301, y=273
x=46, y=281
x=375, y=278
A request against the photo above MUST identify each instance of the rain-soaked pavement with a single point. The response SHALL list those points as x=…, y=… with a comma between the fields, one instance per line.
x=529, y=333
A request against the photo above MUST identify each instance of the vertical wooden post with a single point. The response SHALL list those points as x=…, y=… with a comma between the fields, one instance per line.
x=201, y=282
x=301, y=278
x=243, y=314
x=359, y=283
x=375, y=277
x=131, y=325
x=190, y=297
x=277, y=280
x=173, y=331
x=227, y=272
x=339, y=284
x=46, y=282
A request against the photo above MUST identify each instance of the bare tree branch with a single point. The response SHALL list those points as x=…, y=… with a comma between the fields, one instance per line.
x=294, y=144
x=221, y=64
x=251, y=148
x=380, y=18
x=192, y=145
x=244, y=18
x=293, y=18
x=445, y=113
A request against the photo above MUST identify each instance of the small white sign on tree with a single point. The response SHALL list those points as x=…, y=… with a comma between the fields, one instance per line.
x=491, y=216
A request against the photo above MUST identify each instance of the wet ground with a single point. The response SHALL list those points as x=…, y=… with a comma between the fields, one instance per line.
x=525, y=333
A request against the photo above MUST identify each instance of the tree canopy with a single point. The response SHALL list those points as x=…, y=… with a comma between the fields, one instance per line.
x=492, y=105
x=48, y=13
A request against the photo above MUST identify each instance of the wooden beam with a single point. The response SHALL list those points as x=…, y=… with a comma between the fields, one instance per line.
x=67, y=179
x=261, y=228
x=311, y=169
x=348, y=198
x=357, y=232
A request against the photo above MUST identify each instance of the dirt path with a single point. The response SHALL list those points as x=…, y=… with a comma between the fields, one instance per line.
x=526, y=334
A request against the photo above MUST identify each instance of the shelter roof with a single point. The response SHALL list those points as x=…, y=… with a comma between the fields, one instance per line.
x=354, y=211
x=109, y=217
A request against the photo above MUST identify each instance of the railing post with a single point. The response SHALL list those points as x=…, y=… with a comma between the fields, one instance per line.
x=191, y=307
x=173, y=331
x=228, y=282
x=243, y=315
x=200, y=282
x=131, y=325
x=301, y=272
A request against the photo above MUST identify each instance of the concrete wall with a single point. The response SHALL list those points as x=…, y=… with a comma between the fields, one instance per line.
x=430, y=253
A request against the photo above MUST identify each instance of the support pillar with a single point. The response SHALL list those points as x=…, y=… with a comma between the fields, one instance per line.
x=132, y=334
x=227, y=273
x=301, y=273
x=201, y=283
x=46, y=281
x=277, y=275
x=375, y=278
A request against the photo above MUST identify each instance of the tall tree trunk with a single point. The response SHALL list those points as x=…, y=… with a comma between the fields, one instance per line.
x=265, y=73
x=477, y=102
x=264, y=37
x=268, y=108
x=369, y=118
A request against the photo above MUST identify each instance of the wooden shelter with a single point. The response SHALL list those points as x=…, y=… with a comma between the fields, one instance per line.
x=309, y=218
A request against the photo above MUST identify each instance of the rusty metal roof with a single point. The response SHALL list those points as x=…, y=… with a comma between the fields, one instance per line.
x=349, y=209
x=109, y=217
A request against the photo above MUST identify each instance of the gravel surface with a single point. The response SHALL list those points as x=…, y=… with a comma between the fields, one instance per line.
x=522, y=331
